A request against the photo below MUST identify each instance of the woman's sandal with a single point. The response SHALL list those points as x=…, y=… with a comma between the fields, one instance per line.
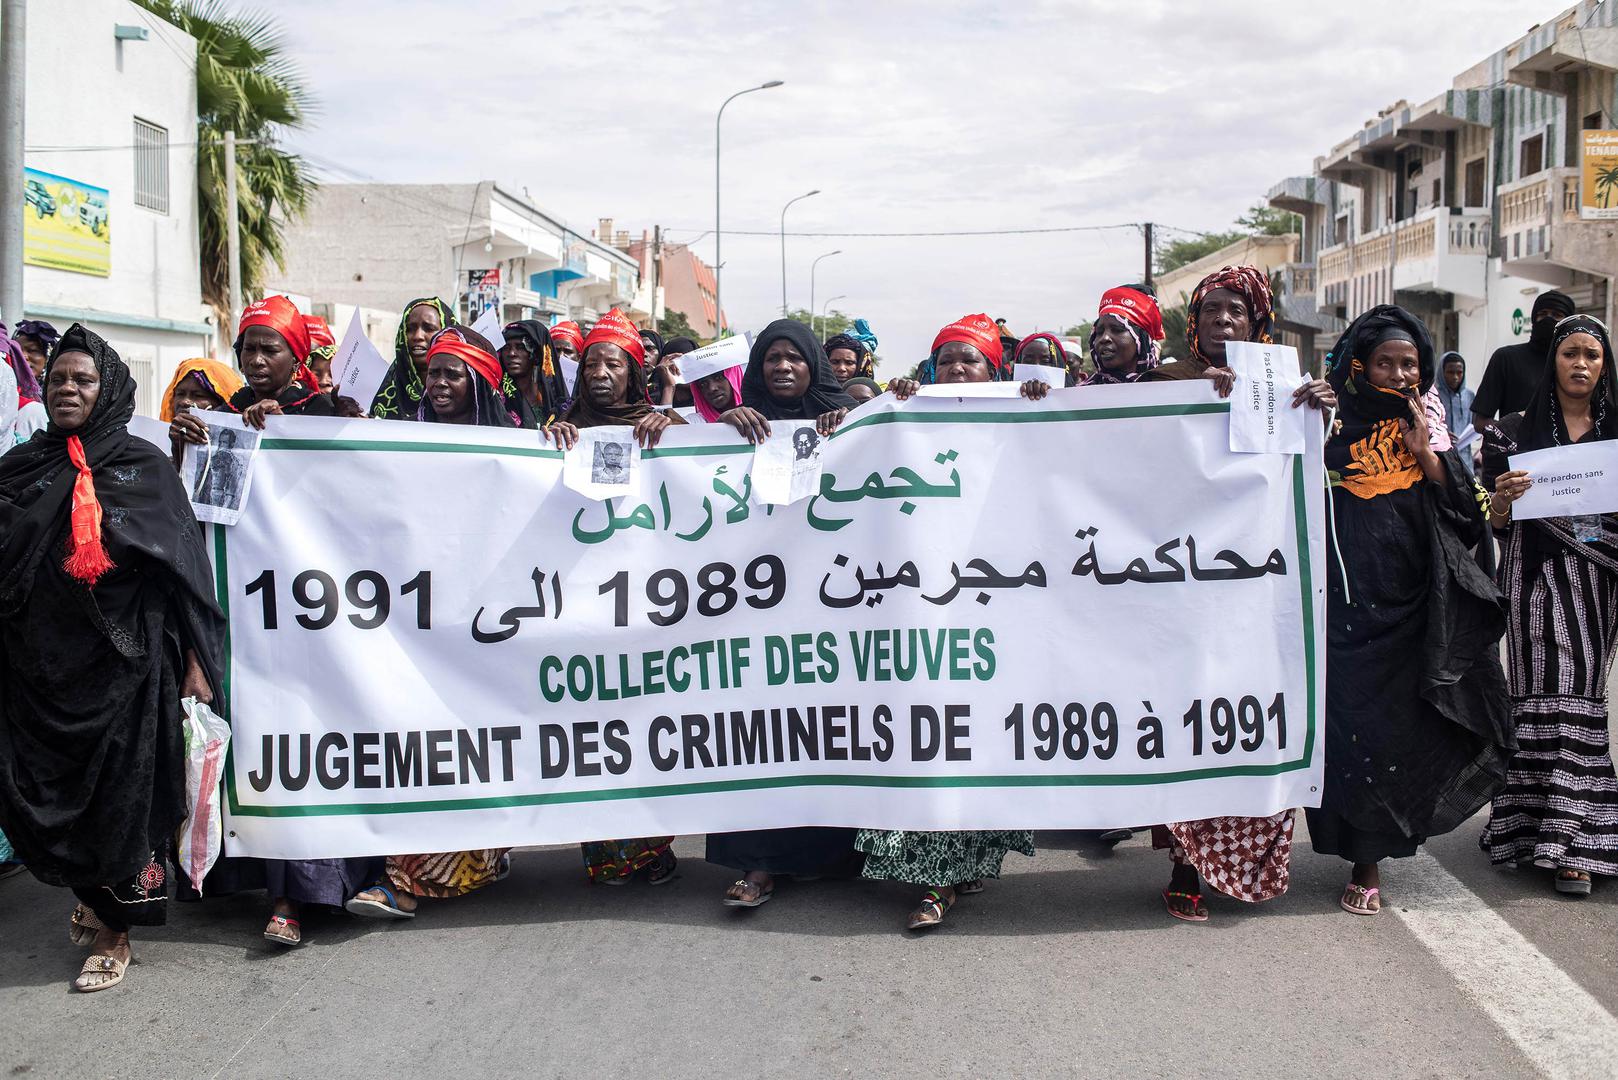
x=930, y=912
x=969, y=888
x=664, y=870
x=1366, y=897
x=83, y=926
x=101, y=965
x=738, y=894
x=1572, y=882
x=284, y=930
x=377, y=909
x=1196, y=914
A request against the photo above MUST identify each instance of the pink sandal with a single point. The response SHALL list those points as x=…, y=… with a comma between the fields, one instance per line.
x=1366, y=895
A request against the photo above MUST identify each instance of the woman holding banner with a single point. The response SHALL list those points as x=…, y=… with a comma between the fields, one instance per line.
x=1248, y=859
x=530, y=364
x=1124, y=338
x=1559, y=809
x=1417, y=730
x=102, y=570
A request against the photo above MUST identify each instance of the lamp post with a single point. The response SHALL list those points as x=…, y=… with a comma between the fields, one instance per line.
x=812, y=266
x=824, y=308
x=805, y=195
x=718, y=234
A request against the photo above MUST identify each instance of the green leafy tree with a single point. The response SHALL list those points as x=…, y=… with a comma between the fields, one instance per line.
x=1606, y=182
x=674, y=324
x=1176, y=253
x=1262, y=220
x=246, y=83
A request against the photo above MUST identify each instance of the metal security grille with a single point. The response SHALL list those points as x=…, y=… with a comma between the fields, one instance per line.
x=151, y=166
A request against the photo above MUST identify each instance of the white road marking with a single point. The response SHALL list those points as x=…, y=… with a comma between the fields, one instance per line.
x=1555, y=1022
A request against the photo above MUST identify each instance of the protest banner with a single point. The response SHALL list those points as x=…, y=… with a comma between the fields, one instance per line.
x=1081, y=612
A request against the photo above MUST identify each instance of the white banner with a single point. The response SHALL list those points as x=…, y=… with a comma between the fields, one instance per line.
x=1076, y=613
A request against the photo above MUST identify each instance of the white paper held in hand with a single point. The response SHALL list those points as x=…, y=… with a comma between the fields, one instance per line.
x=604, y=464
x=1053, y=377
x=722, y=355
x=787, y=465
x=218, y=475
x=1262, y=419
x=358, y=368
x=1568, y=481
x=490, y=326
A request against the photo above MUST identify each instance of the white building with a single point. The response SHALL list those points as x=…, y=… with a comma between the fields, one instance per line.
x=378, y=246
x=110, y=224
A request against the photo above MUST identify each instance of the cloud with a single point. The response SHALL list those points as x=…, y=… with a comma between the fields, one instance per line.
x=906, y=116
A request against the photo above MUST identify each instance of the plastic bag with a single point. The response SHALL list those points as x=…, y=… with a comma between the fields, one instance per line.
x=207, y=737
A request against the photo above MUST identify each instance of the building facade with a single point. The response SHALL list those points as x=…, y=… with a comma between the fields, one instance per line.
x=1463, y=208
x=685, y=283
x=377, y=246
x=110, y=235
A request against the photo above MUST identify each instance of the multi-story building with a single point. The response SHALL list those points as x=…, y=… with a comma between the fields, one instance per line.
x=110, y=215
x=1464, y=207
x=685, y=283
x=377, y=246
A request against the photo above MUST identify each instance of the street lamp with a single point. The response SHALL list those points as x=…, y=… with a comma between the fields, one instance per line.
x=718, y=235
x=805, y=195
x=812, y=266
x=824, y=308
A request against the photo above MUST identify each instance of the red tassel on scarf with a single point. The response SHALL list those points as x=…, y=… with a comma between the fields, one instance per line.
x=88, y=560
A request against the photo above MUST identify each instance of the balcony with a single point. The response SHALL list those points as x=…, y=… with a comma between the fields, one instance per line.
x=1542, y=236
x=1551, y=56
x=1439, y=250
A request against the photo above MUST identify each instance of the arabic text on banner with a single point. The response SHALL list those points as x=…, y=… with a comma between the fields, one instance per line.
x=948, y=634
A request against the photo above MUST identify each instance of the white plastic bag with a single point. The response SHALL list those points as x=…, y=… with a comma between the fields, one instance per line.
x=207, y=737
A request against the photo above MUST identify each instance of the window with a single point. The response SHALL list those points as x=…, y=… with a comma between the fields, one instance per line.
x=151, y=166
x=1474, y=182
x=1531, y=156
x=1592, y=122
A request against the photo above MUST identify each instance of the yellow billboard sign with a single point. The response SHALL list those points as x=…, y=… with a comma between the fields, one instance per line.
x=65, y=224
x=1599, y=190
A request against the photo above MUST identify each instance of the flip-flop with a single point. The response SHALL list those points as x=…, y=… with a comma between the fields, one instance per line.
x=101, y=964
x=376, y=909
x=1184, y=916
x=1574, y=886
x=762, y=898
x=286, y=931
x=665, y=870
x=969, y=888
x=1114, y=837
x=930, y=912
x=1362, y=891
x=82, y=926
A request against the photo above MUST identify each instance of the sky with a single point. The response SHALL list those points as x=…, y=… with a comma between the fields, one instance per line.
x=906, y=117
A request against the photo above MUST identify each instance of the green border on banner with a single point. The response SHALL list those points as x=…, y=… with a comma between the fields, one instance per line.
x=1305, y=586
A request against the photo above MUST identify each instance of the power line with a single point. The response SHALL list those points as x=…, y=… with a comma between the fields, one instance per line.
x=951, y=232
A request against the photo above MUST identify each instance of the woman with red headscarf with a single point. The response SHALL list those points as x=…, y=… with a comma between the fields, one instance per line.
x=107, y=621
x=1124, y=337
x=968, y=350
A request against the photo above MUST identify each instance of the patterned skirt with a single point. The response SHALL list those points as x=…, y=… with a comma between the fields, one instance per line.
x=1560, y=806
x=141, y=900
x=1247, y=858
x=938, y=859
x=451, y=873
x=607, y=860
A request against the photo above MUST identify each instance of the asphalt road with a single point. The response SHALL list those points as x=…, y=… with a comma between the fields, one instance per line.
x=1068, y=966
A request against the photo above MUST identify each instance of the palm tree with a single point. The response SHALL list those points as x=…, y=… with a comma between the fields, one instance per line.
x=1606, y=181
x=246, y=83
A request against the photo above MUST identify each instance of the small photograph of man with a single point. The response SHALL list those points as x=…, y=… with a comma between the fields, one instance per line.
x=805, y=444
x=224, y=468
x=610, y=464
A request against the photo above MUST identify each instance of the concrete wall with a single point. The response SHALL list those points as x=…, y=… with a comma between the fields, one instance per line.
x=85, y=90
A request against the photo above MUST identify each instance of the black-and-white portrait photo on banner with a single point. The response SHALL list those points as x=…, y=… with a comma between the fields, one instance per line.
x=218, y=475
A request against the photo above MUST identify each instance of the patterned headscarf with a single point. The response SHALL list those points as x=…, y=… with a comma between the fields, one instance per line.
x=1367, y=454
x=1058, y=354
x=863, y=364
x=401, y=390
x=1254, y=286
x=39, y=328
x=222, y=379
x=27, y=385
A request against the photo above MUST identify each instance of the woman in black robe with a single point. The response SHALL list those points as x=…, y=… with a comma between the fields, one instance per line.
x=1417, y=729
x=788, y=378
x=107, y=620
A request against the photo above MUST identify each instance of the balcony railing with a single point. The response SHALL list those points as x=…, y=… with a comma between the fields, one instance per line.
x=1436, y=233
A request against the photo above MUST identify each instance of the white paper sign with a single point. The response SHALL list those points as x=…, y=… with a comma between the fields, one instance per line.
x=8, y=404
x=722, y=355
x=1053, y=377
x=786, y=466
x=358, y=368
x=1262, y=419
x=971, y=389
x=490, y=326
x=152, y=430
x=605, y=463
x=219, y=476
x=570, y=372
x=1568, y=480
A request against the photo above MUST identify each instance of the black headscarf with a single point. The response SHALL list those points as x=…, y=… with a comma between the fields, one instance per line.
x=401, y=390
x=91, y=774
x=1540, y=331
x=863, y=365
x=1367, y=454
x=490, y=406
x=547, y=373
x=825, y=393
x=679, y=346
x=1542, y=420
x=656, y=353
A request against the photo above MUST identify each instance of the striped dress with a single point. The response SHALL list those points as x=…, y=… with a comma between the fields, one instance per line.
x=1559, y=809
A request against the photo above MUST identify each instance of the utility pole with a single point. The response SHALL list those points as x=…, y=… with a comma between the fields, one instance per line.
x=233, y=238
x=1148, y=253
x=13, y=55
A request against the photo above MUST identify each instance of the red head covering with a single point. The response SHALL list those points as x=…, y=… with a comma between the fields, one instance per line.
x=978, y=331
x=279, y=314
x=614, y=329
x=1133, y=306
x=319, y=332
x=569, y=330
x=451, y=343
